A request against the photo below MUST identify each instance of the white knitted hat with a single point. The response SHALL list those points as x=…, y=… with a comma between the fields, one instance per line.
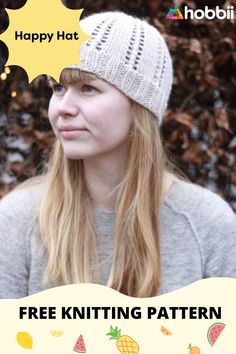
x=130, y=54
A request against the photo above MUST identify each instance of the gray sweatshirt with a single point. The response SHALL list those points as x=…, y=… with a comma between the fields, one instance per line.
x=198, y=240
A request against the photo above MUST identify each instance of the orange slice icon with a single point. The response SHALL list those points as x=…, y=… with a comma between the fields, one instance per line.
x=165, y=331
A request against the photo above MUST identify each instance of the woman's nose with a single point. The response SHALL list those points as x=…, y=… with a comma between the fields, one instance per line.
x=68, y=105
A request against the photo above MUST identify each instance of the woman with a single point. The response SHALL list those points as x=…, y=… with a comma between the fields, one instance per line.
x=110, y=209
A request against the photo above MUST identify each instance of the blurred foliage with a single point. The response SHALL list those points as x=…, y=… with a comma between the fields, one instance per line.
x=200, y=123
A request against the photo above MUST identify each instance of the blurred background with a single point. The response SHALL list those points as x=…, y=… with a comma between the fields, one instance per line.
x=199, y=130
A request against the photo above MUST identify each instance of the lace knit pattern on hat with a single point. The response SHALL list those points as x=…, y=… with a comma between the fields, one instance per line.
x=130, y=54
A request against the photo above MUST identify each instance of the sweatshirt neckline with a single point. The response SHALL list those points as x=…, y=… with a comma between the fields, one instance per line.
x=164, y=201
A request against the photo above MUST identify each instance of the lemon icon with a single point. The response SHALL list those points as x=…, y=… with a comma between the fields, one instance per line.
x=56, y=333
x=25, y=340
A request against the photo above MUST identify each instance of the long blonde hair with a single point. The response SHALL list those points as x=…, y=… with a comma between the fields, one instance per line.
x=66, y=215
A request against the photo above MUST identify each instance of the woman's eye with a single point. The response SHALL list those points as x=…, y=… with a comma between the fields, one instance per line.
x=57, y=88
x=88, y=89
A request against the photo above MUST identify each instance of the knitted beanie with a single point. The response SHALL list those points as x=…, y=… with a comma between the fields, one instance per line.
x=130, y=54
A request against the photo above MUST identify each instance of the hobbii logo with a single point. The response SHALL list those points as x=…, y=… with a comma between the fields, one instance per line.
x=199, y=14
x=209, y=14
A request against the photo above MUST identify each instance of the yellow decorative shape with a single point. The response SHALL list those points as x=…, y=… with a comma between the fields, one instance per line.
x=56, y=333
x=25, y=340
x=43, y=37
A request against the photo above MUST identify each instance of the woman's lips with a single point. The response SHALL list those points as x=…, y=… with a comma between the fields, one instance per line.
x=70, y=133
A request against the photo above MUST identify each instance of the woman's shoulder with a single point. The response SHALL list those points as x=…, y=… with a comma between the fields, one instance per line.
x=202, y=207
x=23, y=200
x=186, y=194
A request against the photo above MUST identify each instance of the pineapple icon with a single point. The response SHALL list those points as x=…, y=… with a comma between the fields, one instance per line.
x=124, y=343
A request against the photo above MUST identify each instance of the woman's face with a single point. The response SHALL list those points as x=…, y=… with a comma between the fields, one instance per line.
x=90, y=118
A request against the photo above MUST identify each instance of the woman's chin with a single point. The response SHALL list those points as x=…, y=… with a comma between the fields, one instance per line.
x=75, y=155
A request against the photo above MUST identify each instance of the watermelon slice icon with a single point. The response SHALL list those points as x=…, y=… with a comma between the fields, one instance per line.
x=79, y=345
x=214, y=331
